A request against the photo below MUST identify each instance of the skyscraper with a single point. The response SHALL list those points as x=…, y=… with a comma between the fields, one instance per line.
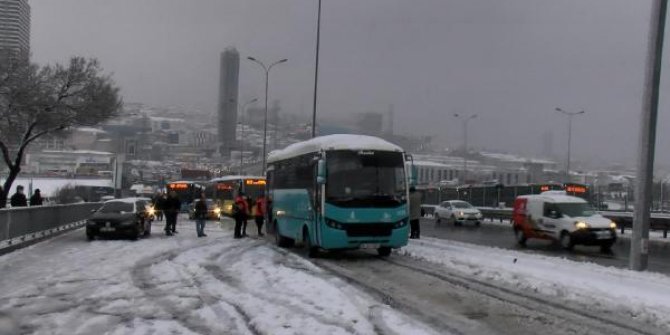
x=15, y=25
x=228, y=92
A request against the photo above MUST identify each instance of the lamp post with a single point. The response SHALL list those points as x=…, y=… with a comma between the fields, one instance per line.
x=316, y=67
x=465, y=119
x=242, y=109
x=570, y=115
x=265, y=122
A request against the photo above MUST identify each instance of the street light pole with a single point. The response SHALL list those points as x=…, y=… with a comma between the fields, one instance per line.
x=267, y=83
x=243, y=109
x=316, y=68
x=639, y=244
x=570, y=115
x=466, y=119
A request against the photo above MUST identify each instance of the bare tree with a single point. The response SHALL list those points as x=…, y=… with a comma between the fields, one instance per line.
x=39, y=100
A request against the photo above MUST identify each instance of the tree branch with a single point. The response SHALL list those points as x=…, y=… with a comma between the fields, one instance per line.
x=5, y=154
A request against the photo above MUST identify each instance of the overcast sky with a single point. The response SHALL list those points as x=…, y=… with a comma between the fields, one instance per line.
x=510, y=61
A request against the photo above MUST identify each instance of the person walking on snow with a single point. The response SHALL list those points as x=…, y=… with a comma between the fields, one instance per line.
x=171, y=208
x=200, y=215
x=260, y=213
x=240, y=214
x=414, y=213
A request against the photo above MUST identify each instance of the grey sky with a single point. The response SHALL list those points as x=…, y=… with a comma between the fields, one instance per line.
x=510, y=61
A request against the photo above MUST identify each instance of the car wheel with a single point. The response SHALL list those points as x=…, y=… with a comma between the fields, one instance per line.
x=456, y=223
x=478, y=223
x=520, y=237
x=437, y=219
x=90, y=236
x=384, y=251
x=606, y=247
x=147, y=229
x=566, y=241
x=312, y=251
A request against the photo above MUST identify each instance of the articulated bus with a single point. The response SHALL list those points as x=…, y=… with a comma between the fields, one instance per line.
x=187, y=191
x=225, y=189
x=339, y=192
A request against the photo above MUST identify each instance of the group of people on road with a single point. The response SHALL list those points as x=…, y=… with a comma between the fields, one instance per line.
x=243, y=208
x=19, y=199
x=170, y=206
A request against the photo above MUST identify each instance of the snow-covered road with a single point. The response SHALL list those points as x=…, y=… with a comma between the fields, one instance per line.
x=183, y=285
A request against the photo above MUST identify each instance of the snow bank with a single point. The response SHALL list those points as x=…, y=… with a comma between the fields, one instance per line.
x=643, y=296
x=49, y=186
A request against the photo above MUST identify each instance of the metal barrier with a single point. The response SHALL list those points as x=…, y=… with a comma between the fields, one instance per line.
x=18, y=225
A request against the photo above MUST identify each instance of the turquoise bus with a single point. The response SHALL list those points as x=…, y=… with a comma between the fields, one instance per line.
x=339, y=192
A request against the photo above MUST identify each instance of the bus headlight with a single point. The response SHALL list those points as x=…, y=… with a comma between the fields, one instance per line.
x=613, y=225
x=334, y=224
x=400, y=224
x=581, y=225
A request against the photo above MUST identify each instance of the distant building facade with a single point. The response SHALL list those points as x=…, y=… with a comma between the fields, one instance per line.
x=228, y=94
x=15, y=25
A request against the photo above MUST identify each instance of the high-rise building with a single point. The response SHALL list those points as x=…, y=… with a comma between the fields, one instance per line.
x=15, y=25
x=228, y=92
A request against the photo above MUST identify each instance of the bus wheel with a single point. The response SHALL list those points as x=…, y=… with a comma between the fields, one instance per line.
x=384, y=251
x=312, y=251
x=282, y=242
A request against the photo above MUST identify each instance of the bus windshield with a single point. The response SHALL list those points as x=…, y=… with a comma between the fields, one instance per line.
x=365, y=178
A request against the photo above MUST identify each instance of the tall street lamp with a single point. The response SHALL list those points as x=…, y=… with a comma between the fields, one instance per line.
x=242, y=110
x=570, y=115
x=316, y=67
x=465, y=119
x=265, y=122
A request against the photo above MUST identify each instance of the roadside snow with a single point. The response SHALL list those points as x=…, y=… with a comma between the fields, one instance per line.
x=183, y=285
x=643, y=296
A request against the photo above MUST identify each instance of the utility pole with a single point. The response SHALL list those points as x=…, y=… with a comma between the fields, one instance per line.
x=466, y=119
x=639, y=247
x=570, y=115
x=316, y=68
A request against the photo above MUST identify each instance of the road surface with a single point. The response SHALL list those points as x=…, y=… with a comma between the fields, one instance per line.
x=495, y=234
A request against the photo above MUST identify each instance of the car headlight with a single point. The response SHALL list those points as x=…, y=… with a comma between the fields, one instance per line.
x=217, y=210
x=334, y=224
x=461, y=213
x=612, y=225
x=151, y=211
x=581, y=225
x=479, y=215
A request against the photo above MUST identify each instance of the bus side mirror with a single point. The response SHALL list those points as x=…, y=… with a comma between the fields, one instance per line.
x=412, y=175
x=321, y=172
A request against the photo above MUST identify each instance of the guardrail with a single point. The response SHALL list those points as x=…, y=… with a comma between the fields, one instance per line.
x=21, y=225
x=624, y=220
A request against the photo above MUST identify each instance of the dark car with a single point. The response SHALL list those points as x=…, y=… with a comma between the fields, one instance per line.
x=129, y=217
x=213, y=210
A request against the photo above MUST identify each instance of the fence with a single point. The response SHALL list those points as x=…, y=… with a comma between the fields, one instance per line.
x=20, y=225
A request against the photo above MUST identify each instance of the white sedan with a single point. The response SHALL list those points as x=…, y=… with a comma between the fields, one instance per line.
x=457, y=212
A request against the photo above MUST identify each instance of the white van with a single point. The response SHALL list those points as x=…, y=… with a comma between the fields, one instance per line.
x=553, y=215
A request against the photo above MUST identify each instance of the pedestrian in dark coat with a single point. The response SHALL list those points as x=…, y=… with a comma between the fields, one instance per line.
x=36, y=199
x=171, y=209
x=18, y=199
x=3, y=198
x=414, y=213
x=159, y=203
x=200, y=215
